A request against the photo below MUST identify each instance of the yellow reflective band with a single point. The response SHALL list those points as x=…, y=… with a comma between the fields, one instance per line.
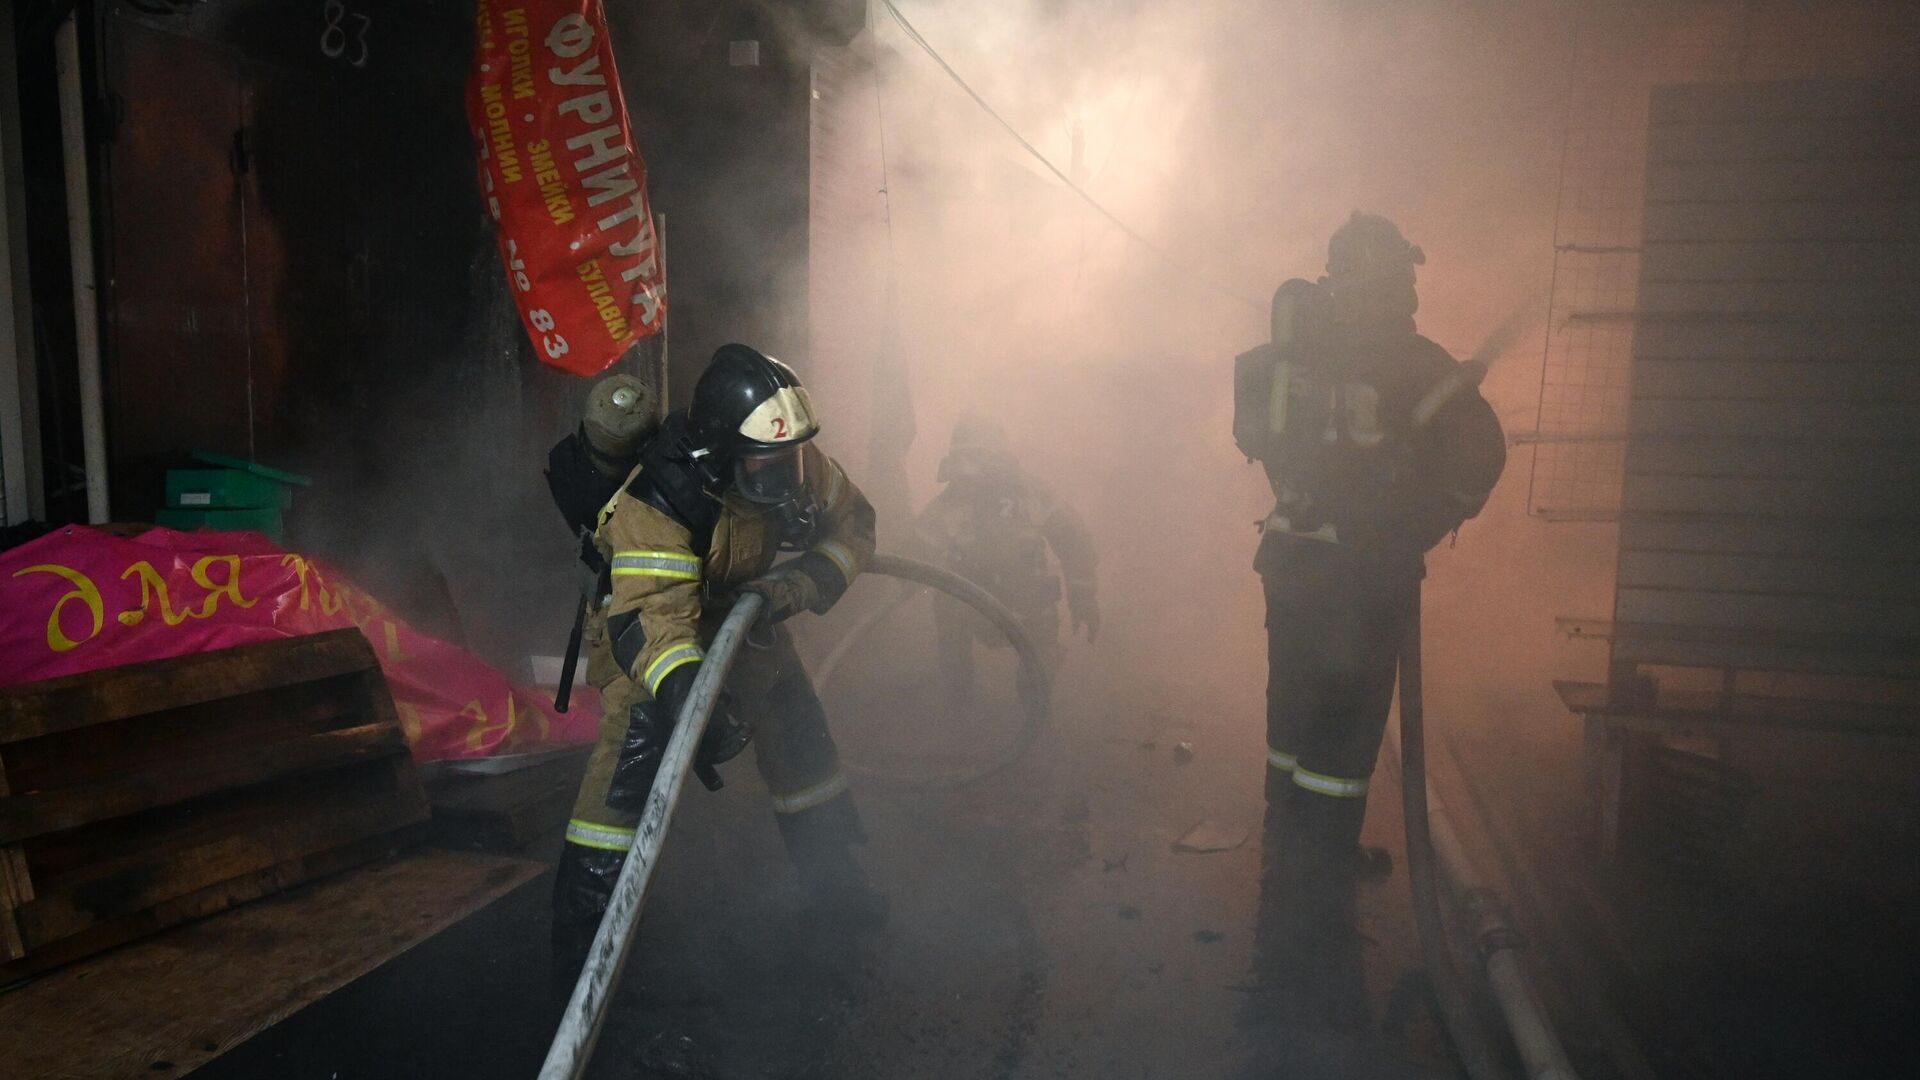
x=841, y=555
x=603, y=837
x=1337, y=786
x=1277, y=397
x=808, y=798
x=1283, y=762
x=666, y=564
x=664, y=664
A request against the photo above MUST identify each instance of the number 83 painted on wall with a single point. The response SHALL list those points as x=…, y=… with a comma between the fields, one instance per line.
x=337, y=42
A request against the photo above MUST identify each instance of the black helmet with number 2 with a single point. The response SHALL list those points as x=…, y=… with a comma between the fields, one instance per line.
x=750, y=409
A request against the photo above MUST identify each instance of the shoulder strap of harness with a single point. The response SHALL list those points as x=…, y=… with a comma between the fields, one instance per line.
x=670, y=481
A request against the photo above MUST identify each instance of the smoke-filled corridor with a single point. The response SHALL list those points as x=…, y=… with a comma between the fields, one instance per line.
x=1057, y=538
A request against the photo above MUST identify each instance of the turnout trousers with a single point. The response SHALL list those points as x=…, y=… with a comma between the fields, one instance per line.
x=796, y=756
x=1334, y=622
x=1335, y=619
x=769, y=688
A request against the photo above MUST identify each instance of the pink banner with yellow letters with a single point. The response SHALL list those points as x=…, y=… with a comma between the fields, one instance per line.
x=80, y=599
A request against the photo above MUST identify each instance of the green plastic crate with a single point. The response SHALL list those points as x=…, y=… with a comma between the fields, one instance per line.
x=225, y=489
x=225, y=461
x=261, y=520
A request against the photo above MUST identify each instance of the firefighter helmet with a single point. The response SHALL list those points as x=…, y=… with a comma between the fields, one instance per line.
x=979, y=451
x=750, y=409
x=1369, y=245
x=1370, y=273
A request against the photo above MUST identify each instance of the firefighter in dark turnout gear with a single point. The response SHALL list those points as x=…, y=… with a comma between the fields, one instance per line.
x=717, y=494
x=994, y=524
x=1377, y=444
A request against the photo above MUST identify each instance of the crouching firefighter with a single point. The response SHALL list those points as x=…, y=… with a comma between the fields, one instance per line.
x=718, y=492
x=1377, y=445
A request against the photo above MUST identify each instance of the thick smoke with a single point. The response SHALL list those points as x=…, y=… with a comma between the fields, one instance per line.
x=1233, y=138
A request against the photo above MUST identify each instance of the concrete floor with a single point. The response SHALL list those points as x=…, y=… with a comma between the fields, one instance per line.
x=1043, y=926
x=1793, y=957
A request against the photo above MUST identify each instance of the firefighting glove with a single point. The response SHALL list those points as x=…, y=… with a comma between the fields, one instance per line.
x=650, y=725
x=1084, y=610
x=811, y=582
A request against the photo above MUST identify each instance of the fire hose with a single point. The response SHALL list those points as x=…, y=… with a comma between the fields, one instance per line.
x=1541, y=1054
x=579, y=1028
x=1434, y=851
x=573, y=1042
x=1449, y=989
x=1032, y=684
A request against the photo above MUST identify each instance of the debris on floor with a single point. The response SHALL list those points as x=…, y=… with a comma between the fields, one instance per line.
x=1209, y=836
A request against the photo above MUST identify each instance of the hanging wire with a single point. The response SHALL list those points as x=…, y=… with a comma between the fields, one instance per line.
x=1133, y=234
x=889, y=442
x=1553, y=278
x=880, y=125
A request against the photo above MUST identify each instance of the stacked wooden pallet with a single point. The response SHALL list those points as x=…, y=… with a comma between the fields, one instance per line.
x=505, y=804
x=138, y=797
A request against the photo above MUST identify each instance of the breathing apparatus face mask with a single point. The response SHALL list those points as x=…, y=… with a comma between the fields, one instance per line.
x=976, y=465
x=771, y=477
x=777, y=479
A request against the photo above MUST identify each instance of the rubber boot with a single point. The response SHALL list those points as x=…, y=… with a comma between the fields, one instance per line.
x=1284, y=923
x=820, y=842
x=1294, y=884
x=582, y=886
x=1306, y=882
x=1338, y=823
x=1307, y=972
x=1273, y=937
x=1330, y=828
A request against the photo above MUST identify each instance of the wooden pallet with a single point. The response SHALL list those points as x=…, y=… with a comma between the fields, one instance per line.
x=507, y=811
x=138, y=797
x=166, y=1005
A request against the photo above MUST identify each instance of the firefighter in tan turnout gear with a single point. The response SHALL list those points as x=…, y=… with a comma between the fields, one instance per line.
x=994, y=524
x=717, y=494
x=1377, y=445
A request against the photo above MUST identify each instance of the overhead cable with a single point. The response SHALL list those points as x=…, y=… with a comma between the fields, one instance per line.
x=1133, y=234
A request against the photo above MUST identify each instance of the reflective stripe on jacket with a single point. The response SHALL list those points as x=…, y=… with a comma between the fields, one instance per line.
x=657, y=573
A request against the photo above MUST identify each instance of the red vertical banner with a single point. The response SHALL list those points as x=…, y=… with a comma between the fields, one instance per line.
x=563, y=180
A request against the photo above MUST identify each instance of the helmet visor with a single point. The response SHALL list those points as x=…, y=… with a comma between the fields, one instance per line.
x=770, y=476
